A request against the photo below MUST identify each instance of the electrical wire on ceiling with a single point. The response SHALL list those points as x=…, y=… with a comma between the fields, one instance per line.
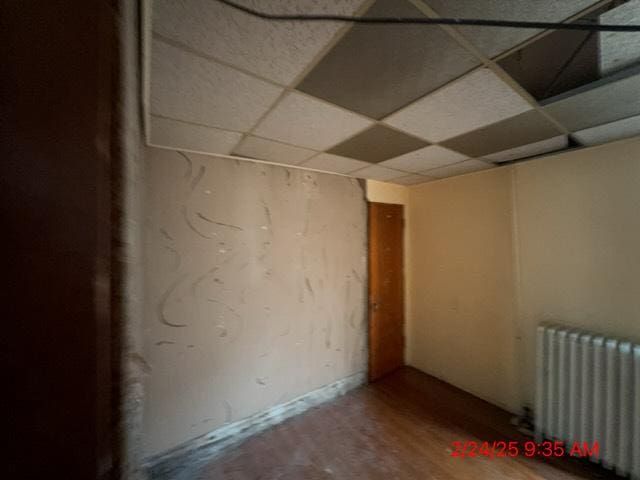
x=475, y=22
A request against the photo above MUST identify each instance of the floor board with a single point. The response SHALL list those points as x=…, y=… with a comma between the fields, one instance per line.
x=400, y=427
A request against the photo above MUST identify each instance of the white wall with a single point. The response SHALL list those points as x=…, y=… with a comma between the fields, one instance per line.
x=496, y=252
x=255, y=289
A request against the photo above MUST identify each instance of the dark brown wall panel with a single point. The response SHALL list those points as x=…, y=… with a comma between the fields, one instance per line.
x=54, y=201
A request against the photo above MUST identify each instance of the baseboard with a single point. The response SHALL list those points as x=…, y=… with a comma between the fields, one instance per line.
x=184, y=461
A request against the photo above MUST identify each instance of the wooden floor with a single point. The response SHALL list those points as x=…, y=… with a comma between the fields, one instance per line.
x=400, y=427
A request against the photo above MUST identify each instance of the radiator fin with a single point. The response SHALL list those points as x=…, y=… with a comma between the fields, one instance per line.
x=588, y=391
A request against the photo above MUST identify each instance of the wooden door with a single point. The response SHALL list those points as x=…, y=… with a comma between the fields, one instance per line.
x=386, y=289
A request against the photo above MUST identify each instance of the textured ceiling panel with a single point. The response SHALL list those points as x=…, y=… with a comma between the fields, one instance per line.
x=467, y=166
x=305, y=121
x=412, y=180
x=376, y=172
x=205, y=92
x=429, y=157
x=334, y=163
x=608, y=101
x=526, y=128
x=188, y=87
x=493, y=41
x=620, y=49
x=279, y=51
x=376, y=69
x=476, y=100
x=185, y=136
x=260, y=148
x=537, y=148
x=377, y=143
x=609, y=132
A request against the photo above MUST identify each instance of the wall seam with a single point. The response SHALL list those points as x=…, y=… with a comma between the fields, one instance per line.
x=517, y=289
x=408, y=310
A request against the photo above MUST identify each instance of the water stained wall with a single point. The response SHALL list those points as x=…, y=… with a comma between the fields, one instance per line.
x=255, y=289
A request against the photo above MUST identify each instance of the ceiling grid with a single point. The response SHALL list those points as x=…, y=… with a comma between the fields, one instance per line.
x=489, y=63
x=399, y=103
x=289, y=88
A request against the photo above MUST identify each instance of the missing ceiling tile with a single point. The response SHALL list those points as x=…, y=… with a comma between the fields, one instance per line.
x=567, y=59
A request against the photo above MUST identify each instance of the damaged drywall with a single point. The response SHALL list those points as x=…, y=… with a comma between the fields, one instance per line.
x=255, y=289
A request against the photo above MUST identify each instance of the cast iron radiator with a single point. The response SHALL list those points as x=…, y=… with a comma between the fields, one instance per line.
x=588, y=390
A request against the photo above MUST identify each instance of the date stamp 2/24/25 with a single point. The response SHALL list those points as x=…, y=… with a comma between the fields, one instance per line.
x=502, y=449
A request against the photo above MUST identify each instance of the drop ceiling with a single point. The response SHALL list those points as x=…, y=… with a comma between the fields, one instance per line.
x=405, y=104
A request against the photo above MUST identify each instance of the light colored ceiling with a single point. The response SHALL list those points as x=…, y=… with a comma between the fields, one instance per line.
x=400, y=103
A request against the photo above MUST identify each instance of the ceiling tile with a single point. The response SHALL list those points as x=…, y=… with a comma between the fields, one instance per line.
x=467, y=166
x=334, y=163
x=185, y=136
x=609, y=99
x=376, y=172
x=620, y=49
x=537, y=148
x=429, y=157
x=609, y=132
x=376, y=69
x=376, y=144
x=412, y=180
x=272, y=151
x=492, y=41
x=523, y=129
x=305, y=121
x=279, y=51
x=478, y=99
x=190, y=88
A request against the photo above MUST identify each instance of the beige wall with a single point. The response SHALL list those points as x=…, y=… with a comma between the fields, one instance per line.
x=255, y=289
x=384, y=192
x=496, y=252
x=462, y=322
x=489, y=255
x=578, y=230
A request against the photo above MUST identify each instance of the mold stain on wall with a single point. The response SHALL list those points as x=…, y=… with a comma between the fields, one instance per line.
x=254, y=289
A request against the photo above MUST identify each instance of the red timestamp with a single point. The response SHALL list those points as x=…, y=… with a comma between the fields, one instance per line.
x=501, y=449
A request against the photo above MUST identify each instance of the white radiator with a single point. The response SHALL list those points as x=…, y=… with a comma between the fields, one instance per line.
x=588, y=390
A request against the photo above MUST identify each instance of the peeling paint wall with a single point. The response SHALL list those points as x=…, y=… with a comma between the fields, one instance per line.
x=255, y=289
